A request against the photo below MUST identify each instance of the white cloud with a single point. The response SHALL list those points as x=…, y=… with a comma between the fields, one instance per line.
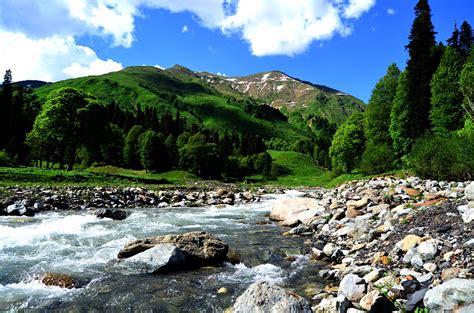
x=355, y=8
x=271, y=27
x=185, y=29
x=159, y=66
x=391, y=11
x=49, y=59
x=221, y=74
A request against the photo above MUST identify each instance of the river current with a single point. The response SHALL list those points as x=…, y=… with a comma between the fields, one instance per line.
x=79, y=244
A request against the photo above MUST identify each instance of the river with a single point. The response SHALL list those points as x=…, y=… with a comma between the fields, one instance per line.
x=79, y=244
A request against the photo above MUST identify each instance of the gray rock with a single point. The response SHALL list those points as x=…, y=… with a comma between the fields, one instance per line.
x=200, y=248
x=265, y=297
x=450, y=295
x=469, y=192
x=19, y=210
x=415, y=299
x=111, y=213
x=160, y=258
x=352, y=287
x=427, y=249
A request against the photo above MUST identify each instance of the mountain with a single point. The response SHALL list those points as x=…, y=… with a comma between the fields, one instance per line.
x=31, y=83
x=218, y=102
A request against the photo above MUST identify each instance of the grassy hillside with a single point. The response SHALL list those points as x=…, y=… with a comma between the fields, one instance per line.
x=298, y=169
x=149, y=86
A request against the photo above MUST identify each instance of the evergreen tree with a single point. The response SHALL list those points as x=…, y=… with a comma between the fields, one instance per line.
x=131, y=157
x=6, y=101
x=348, y=144
x=453, y=41
x=377, y=116
x=420, y=68
x=447, y=112
x=466, y=39
x=399, y=117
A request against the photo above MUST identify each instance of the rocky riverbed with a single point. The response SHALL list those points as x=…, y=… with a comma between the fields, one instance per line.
x=392, y=244
x=381, y=245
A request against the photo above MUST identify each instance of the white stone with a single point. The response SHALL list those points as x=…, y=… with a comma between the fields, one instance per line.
x=352, y=287
x=469, y=191
x=291, y=210
x=427, y=249
x=430, y=267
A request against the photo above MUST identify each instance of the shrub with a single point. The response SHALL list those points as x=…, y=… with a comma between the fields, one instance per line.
x=444, y=158
x=4, y=158
x=377, y=159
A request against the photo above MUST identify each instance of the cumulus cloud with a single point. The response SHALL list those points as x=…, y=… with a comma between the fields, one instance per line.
x=391, y=11
x=185, y=29
x=355, y=8
x=49, y=59
x=271, y=27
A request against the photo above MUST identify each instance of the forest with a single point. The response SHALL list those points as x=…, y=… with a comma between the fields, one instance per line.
x=419, y=119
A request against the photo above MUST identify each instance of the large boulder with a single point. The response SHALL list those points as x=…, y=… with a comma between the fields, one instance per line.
x=265, y=297
x=111, y=213
x=290, y=211
x=160, y=258
x=450, y=295
x=199, y=248
x=469, y=192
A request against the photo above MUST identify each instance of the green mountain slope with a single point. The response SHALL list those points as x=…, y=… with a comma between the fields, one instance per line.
x=289, y=94
x=173, y=90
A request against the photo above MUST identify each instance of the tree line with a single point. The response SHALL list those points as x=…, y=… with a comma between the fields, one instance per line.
x=420, y=118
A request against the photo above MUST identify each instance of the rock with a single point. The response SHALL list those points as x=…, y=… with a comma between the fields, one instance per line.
x=58, y=280
x=386, y=282
x=160, y=258
x=329, y=249
x=38, y=206
x=415, y=300
x=408, y=242
x=19, y=210
x=200, y=248
x=295, y=209
x=411, y=192
x=449, y=295
x=467, y=213
x=427, y=249
x=469, y=192
x=326, y=306
x=369, y=299
x=352, y=287
x=376, y=209
x=352, y=212
x=372, y=276
x=265, y=297
x=423, y=279
x=450, y=273
x=430, y=267
x=357, y=204
x=111, y=213
x=222, y=290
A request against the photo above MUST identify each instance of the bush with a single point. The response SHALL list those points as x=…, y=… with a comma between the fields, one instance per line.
x=444, y=158
x=5, y=159
x=377, y=159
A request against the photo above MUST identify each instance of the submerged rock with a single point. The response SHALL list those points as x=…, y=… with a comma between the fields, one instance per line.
x=265, y=297
x=58, y=280
x=199, y=248
x=110, y=213
x=160, y=258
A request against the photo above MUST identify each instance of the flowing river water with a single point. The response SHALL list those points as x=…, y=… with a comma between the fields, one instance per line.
x=79, y=244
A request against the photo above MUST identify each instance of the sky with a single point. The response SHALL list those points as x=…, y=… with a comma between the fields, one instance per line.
x=343, y=44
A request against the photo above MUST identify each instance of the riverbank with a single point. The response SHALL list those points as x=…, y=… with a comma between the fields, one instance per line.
x=392, y=244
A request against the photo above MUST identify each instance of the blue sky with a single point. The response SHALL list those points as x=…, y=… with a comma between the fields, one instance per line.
x=344, y=44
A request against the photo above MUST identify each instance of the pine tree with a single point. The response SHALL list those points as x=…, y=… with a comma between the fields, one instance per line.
x=6, y=101
x=453, y=41
x=150, y=150
x=399, y=118
x=377, y=116
x=466, y=39
x=447, y=112
x=420, y=68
